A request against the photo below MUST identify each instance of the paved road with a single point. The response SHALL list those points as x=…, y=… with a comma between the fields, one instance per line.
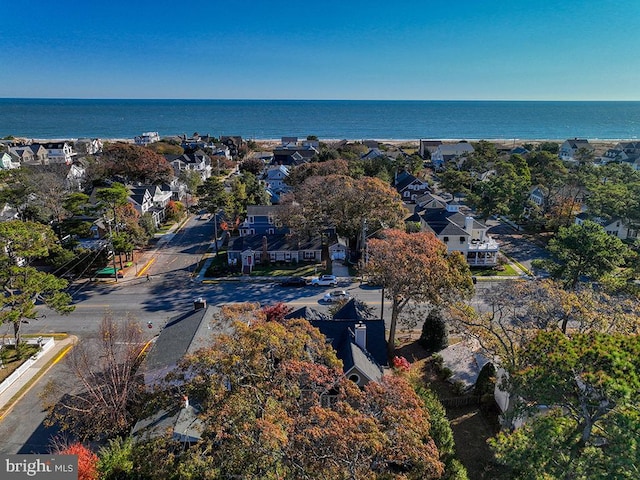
x=170, y=291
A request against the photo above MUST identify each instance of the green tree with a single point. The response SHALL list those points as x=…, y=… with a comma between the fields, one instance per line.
x=212, y=194
x=24, y=286
x=591, y=384
x=435, y=335
x=584, y=250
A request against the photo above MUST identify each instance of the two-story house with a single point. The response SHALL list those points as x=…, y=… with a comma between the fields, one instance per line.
x=150, y=199
x=197, y=161
x=59, y=152
x=88, y=146
x=410, y=187
x=275, y=178
x=7, y=162
x=146, y=138
x=460, y=233
x=450, y=151
x=262, y=220
x=570, y=148
x=615, y=227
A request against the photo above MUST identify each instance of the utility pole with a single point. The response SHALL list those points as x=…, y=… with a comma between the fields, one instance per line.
x=113, y=253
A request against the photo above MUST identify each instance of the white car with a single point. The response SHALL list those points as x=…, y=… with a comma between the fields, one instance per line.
x=325, y=281
x=335, y=296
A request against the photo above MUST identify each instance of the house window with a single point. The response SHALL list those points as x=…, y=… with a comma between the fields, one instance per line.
x=308, y=255
x=270, y=220
x=355, y=378
x=445, y=239
x=270, y=231
x=251, y=220
x=462, y=239
x=252, y=231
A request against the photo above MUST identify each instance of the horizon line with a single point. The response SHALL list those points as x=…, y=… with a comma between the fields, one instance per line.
x=315, y=99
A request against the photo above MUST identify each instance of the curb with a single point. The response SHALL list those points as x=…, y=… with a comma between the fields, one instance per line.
x=29, y=383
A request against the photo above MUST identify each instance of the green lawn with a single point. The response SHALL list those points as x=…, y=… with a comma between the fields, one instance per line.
x=10, y=360
x=288, y=270
x=508, y=271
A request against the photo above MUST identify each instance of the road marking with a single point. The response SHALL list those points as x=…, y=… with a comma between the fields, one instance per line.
x=146, y=267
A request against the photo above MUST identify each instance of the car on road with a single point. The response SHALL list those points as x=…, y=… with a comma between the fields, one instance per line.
x=325, y=281
x=294, y=282
x=336, y=296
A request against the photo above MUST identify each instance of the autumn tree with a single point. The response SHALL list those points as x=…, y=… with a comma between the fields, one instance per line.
x=590, y=384
x=342, y=202
x=135, y=163
x=274, y=404
x=87, y=460
x=105, y=368
x=416, y=268
x=23, y=285
x=300, y=173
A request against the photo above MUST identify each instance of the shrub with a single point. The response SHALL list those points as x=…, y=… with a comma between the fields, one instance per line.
x=434, y=335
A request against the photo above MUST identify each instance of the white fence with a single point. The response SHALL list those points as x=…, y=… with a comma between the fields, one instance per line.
x=46, y=344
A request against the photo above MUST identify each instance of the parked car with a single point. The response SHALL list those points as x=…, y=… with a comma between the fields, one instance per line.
x=335, y=296
x=294, y=282
x=325, y=281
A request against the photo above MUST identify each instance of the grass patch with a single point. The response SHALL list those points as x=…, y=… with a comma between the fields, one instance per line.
x=11, y=360
x=507, y=271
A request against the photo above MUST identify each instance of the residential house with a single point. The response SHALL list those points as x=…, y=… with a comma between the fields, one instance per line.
x=248, y=250
x=150, y=199
x=615, y=227
x=372, y=154
x=7, y=162
x=182, y=335
x=460, y=233
x=410, y=187
x=262, y=220
x=197, y=142
x=275, y=178
x=146, y=138
x=76, y=173
x=293, y=154
x=88, y=146
x=428, y=147
x=358, y=339
x=450, y=151
x=628, y=152
x=59, y=152
x=24, y=155
x=570, y=147
x=197, y=161
x=234, y=143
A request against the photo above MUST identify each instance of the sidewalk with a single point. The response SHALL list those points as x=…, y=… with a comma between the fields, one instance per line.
x=23, y=384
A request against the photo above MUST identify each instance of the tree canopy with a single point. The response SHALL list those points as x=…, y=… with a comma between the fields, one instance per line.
x=135, y=163
x=415, y=268
x=275, y=404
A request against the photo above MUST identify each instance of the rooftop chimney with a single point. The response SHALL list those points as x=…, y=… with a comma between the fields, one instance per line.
x=185, y=401
x=199, y=303
x=361, y=335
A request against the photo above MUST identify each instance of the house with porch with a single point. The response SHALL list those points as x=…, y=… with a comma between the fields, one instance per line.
x=150, y=199
x=460, y=233
x=250, y=250
x=197, y=161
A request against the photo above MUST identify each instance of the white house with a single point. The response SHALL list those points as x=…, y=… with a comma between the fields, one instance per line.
x=147, y=138
x=614, y=227
x=7, y=162
x=59, y=152
x=88, y=146
x=461, y=233
x=198, y=162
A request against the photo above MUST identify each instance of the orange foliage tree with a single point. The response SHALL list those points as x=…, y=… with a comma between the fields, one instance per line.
x=415, y=267
x=274, y=403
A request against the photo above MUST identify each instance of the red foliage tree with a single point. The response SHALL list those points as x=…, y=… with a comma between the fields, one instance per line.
x=87, y=460
x=135, y=163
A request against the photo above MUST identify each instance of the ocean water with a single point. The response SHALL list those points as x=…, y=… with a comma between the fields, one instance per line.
x=327, y=119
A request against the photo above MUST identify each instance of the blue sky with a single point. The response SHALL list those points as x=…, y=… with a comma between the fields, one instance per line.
x=277, y=49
